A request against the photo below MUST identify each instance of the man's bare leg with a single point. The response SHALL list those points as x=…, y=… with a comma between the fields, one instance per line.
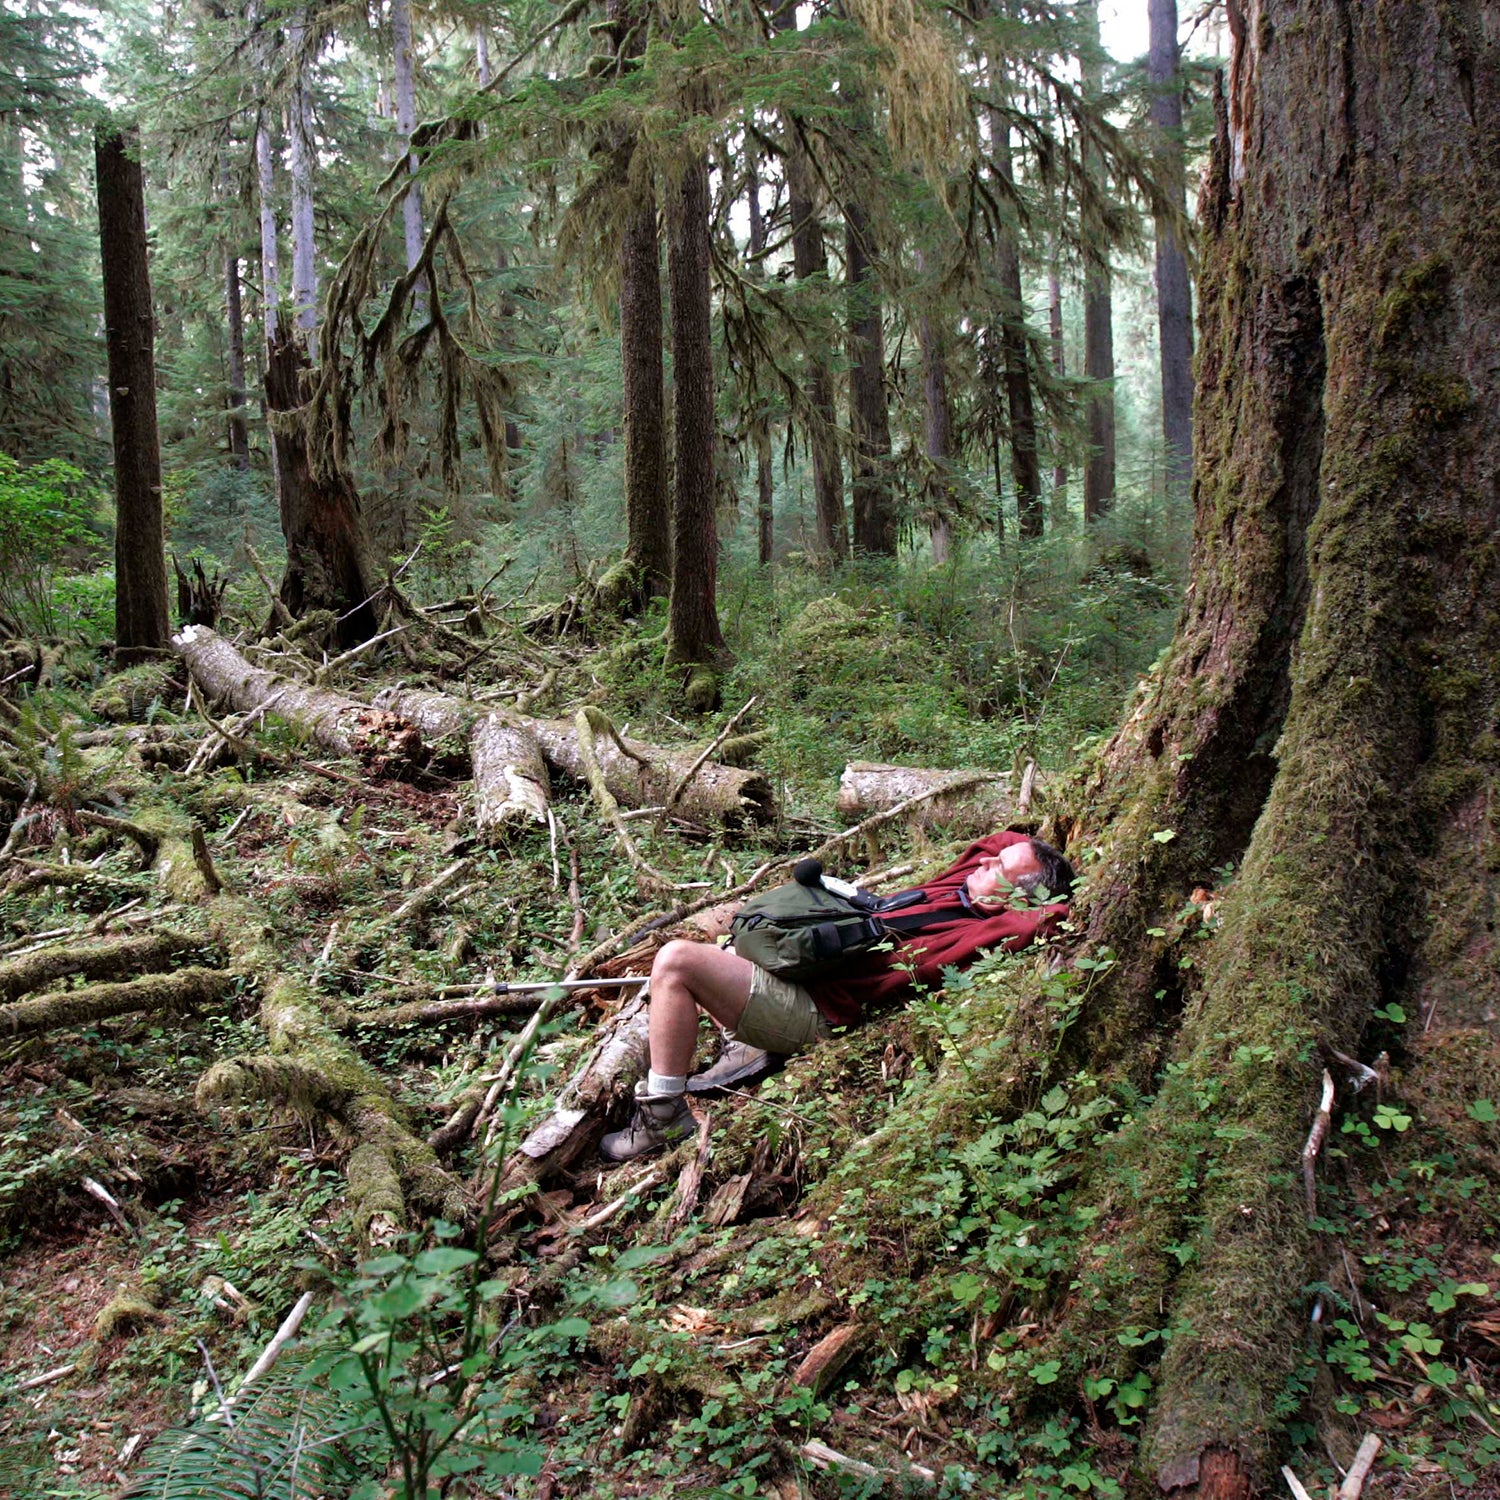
x=687, y=977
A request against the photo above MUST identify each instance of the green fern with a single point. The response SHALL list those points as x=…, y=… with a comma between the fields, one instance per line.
x=288, y=1440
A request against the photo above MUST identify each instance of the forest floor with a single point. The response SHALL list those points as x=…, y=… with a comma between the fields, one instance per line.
x=846, y=1284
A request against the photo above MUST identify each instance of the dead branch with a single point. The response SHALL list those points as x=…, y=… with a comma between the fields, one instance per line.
x=706, y=756
x=185, y=990
x=150, y=953
x=1364, y=1459
x=1315, y=1138
x=584, y=729
x=420, y=900
x=147, y=842
x=690, y=1182
x=431, y=1012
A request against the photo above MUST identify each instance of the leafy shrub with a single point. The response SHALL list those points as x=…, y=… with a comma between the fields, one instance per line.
x=47, y=520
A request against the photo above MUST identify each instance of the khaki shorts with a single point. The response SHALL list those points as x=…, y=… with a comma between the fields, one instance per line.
x=779, y=1016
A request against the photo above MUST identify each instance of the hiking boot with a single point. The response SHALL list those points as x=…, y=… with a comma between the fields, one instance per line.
x=737, y=1065
x=659, y=1120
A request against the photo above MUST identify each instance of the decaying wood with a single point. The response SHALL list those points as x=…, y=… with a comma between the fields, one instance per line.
x=147, y=954
x=642, y=775
x=829, y=1355
x=821, y=1456
x=336, y=722
x=576, y=1120
x=310, y=1067
x=690, y=1182
x=421, y=899
x=1315, y=1138
x=185, y=990
x=588, y=751
x=272, y=1352
x=967, y=801
x=147, y=842
x=510, y=777
x=205, y=862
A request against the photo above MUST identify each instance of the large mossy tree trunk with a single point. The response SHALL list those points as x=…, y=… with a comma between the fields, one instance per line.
x=1324, y=720
x=644, y=573
x=693, y=634
x=328, y=559
x=1098, y=307
x=876, y=525
x=141, y=622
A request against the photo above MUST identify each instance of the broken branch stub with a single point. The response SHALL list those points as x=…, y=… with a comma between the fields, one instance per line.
x=336, y=722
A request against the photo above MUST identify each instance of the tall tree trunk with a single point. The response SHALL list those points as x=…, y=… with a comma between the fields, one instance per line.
x=234, y=322
x=1025, y=465
x=141, y=623
x=648, y=549
x=760, y=425
x=1174, y=295
x=270, y=258
x=300, y=130
x=809, y=261
x=1098, y=311
x=645, y=572
x=328, y=561
x=937, y=430
x=1059, y=369
x=482, y=56
x=875, y=522
x=693, y=634
x=406, y=123
x=1316, y=721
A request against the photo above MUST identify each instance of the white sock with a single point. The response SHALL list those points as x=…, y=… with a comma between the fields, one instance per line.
x=665, y=1083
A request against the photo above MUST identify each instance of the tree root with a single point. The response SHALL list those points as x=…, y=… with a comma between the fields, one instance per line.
x=185, y=990
x=147, y=954
x=313, y=1070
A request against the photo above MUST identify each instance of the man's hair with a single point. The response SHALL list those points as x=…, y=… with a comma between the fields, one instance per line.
x=1056, y=876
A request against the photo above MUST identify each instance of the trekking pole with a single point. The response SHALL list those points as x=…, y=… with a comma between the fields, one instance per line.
x=541, y=986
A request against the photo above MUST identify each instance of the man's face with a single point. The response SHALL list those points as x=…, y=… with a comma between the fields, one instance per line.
x=998, y=873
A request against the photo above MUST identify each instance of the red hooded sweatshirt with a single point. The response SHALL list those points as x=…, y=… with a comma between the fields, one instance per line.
x=877, y=979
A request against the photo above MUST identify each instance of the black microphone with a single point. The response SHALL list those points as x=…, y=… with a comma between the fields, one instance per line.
x=808, y=872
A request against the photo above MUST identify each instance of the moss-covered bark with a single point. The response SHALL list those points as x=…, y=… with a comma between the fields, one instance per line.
x=104, y=960
x=186, y=990
x=310, y=1067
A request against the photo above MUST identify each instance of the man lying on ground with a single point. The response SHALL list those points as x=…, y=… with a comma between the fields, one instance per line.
x=761, y=1013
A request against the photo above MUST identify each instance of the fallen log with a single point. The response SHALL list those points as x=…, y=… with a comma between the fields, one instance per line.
x=577, y=1119
x=185, y=990
x=312, y=1069
x=338, y=723
x=510, y=776
x=148, y=954
x=431, y=1012
x=644, y=775
x=978, y=801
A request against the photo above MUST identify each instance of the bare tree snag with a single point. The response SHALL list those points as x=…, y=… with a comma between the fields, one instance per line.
x=185, y=990
x=311, y=1068
x=126, y=955
x=337, y=723
x=977, y=802
x=329, y=563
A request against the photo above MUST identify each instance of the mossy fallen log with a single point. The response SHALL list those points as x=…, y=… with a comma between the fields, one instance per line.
x=338, y=723
x=146, y=954
x=311, y=1068
x=183, y=991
